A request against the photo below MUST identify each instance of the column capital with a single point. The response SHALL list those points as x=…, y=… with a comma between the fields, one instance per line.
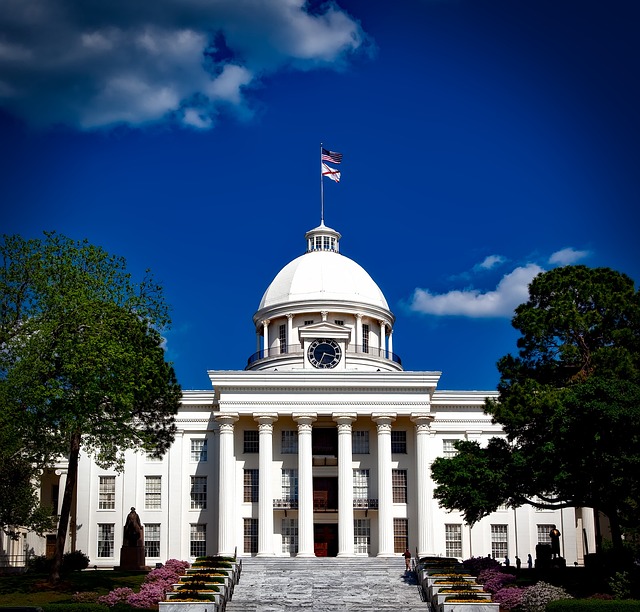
x=289, y=315
x=422, y=421
x=226, y=421
x=383, y=417
x=341, y=417
x=359, y=316
x=324, y=314
x=265, y=322
x=304, y=418
x=265, y=420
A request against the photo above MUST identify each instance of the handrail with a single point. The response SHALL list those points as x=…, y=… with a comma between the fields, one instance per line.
x=296, y=349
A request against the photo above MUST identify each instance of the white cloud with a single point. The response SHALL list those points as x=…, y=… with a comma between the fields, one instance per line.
x=91, y=64
x=567, y=256
x=491, y=261
x=511, y=291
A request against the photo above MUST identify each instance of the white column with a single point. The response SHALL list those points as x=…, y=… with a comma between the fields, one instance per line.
x=383, y=339
x=289, y=330
x=305, y=484
x=385, y=491
x=265, y=484
x=226, y=481
x=258, y=339
x=390, y=344
x=358, y=333
x=345, y=485
x=423, y=477
x=265, y=337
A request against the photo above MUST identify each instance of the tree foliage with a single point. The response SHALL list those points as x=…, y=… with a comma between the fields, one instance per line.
x=569, y=405
x=82, y=363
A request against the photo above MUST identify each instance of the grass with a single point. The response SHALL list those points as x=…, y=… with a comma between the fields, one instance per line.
x=33, y=589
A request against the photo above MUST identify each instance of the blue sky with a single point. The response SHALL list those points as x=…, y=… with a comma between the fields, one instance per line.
x=483, y=141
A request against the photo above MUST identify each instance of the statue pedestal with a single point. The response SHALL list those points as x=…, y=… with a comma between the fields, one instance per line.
x=132, y=558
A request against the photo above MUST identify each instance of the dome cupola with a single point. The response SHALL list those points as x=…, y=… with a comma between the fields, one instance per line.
x=323, y=311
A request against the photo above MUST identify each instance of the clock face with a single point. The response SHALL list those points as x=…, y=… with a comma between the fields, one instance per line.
x=324, y=354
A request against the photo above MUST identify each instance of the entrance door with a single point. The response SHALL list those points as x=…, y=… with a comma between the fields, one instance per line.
x=325, y=538
x=325, y=494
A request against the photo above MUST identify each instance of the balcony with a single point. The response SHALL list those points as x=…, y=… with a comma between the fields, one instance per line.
x=296, y=350
x=321, y=504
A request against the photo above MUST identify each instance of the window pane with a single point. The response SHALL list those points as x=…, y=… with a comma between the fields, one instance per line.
x=290, y=484
x=360, y=484
x=289, y=442
x=198, y=449
x=499, y=541
x=251, y=536
x=198, y=542
x=399, y=483
x=153, y=493
x=543, y=534
x=152, y=540
x=198, y=492
x=360, y=442
x=453, y=540
x=448, y=449
x=361, y=536
x=251, y=490
x=105, y=539
x=107, y=493
x=290, y=535
x=400, y=535
x=399, y=442
x=251, y=441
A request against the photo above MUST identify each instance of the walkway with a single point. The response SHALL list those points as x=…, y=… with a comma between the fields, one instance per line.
x=325, y=584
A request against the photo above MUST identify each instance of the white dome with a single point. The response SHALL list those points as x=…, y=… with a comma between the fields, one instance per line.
x=325, y=276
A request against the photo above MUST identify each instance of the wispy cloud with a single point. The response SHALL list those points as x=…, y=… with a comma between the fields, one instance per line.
x=490, y=262
x=500, y=302
x=91, y=65
x=567, y=256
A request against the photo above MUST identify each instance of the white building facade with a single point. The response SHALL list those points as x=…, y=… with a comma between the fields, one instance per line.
x=322, y=446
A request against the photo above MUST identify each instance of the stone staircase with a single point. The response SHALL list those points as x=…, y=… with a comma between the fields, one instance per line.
x=326, y=584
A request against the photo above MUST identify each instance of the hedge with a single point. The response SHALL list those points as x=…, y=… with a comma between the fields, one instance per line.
x=594, y=605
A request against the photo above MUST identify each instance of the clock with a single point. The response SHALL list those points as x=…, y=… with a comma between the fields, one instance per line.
x=324, y=353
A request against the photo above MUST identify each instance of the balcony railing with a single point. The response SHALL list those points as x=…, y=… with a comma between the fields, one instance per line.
x=321, y=505
x=296, y=349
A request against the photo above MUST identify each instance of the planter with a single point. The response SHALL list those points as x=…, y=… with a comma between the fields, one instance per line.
x=482, y=606
x=439, y=598
x=188, y=606
x=218, y=598
x=436, y=588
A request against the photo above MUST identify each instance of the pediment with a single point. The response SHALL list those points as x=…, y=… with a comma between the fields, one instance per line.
x=324, y=329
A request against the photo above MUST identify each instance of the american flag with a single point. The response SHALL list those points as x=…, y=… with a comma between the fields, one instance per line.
x=331, y=156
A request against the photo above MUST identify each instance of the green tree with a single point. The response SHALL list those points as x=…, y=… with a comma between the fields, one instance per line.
x=569, y=405
x=82, y=363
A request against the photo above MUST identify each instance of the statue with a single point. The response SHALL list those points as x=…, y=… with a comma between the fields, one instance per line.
x=132, y=556
x=133, y=530
x=554, y=535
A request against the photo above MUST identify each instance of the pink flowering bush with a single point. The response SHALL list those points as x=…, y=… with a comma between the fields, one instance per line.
x=153, y=590
x=509, y=598
x=494, y=580
x=536, y=597
x=475, y=565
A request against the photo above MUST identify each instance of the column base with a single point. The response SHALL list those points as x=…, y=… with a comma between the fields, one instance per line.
x=305, y=555
x=265, y=554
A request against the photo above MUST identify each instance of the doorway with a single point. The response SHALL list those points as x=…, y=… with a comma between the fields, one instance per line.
x=325, y=539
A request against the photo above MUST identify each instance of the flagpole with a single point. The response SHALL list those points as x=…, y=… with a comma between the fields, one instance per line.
x=321, y=190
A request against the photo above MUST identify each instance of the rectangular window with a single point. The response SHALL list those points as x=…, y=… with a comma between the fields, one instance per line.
x=282, y=338
x=290, y=535
x=289, y=484
x=251, y=491
x=289, y=444
x=198, y=449
x=152, y=540
x=453, y=540
x=360, y=442
x=251, y=536
x=543, y=534
x=399, y=484
x=399, y=442
x=339, y=322
x=198, y=492
x=499, y=548
x=400, y=535
x=448, y=450
x=308, y=322
x=153, y=493
x=365, y=338
x=105, y=539
x=361, y=536
x=251, y=441
x=107, y=493
x=198, y=541
x=360, y=484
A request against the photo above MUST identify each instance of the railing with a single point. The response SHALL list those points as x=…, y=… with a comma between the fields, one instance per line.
x=322, y=506
x=296, y=349
x=14, y=561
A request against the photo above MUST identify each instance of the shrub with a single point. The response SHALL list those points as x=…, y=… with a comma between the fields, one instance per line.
x=620, y=585
x=495, y=580
x=509, y=598
x=85, y=597
x=475, y=565
x=75, y=561
x=536, y=597
x=594, y=605
x=116, y=596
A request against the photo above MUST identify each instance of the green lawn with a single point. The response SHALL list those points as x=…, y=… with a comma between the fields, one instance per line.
x=33, y=590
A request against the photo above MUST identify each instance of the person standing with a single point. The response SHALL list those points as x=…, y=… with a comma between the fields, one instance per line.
x=407, y=559
x=529, y=561
x=554, y=536
x=518, y=563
